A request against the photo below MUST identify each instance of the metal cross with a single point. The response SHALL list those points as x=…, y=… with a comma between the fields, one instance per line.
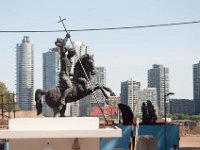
x=62, y=21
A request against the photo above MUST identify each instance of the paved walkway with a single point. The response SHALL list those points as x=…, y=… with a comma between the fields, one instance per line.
x=190, y=142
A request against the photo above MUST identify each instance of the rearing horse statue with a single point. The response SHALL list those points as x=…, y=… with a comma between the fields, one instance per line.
x=81, y=87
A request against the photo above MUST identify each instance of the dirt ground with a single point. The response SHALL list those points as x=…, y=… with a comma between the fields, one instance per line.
x=190, y=142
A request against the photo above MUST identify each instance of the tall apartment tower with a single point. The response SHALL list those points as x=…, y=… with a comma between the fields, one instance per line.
x=158, y=77
x=51, y=70
x=148, y=94
x=99, y=78
x=24, y=74
x=89, y=101
x=130, y=93
x=196, y=87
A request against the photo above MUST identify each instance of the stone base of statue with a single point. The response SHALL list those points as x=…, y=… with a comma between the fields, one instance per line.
x=56, y=133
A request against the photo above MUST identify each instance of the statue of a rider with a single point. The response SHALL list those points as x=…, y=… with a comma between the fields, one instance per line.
x=65, y=83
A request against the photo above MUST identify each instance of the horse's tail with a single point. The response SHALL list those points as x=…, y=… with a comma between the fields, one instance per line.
x=38, y=99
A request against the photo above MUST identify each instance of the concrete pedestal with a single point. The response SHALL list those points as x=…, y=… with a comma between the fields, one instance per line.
x=35, y=133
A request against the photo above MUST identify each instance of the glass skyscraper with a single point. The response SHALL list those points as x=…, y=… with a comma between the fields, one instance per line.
x=196, y=87
x=99, y=78
x=158, y=77
x=51, y=68
x=25, y=75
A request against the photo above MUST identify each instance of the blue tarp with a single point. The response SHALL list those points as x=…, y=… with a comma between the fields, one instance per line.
x=156, y=130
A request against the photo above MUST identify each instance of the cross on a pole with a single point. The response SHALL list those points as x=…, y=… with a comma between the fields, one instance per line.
x=62, y=21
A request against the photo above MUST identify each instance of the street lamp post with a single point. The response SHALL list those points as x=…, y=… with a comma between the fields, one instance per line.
x=165, y=116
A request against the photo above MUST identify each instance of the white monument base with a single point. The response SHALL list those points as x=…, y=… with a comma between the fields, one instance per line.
x=60, y=133
x=55, y=144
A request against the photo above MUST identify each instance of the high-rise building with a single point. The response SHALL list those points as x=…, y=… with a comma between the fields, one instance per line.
x=24, y=74
x=51, y=69
x=181, y=106
x=81, y=49
x=89, y=101
x=130, y=93
x=158, y=77
x=196, y=87
x=148, y=94
x=99, y=78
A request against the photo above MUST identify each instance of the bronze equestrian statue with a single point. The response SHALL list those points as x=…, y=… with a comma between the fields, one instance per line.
x=70, y=89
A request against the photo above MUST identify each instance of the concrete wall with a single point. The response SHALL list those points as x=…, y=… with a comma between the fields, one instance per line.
x=56, y=144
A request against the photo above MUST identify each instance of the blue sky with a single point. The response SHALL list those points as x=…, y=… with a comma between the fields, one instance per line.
x=125, y=53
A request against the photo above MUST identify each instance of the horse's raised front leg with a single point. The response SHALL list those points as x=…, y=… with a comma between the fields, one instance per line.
x=103, y=89
x=109, y=90
x=99, y=87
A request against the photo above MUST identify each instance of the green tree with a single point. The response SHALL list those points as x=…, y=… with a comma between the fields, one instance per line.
x=180, y=116
x=184, y=117
x=195, y=117
x=173, y=116
x=6, y=98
